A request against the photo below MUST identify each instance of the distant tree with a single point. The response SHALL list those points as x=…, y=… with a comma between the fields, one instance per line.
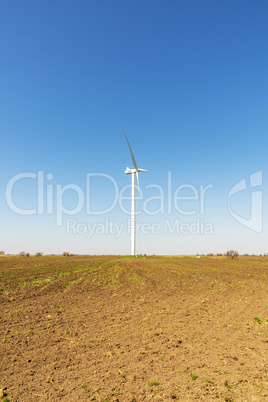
x=236, y=254
x=28, y=255
x=2, y=253
x=66, y=254
x=22, y=253
x=232, y=254
x=39, y=254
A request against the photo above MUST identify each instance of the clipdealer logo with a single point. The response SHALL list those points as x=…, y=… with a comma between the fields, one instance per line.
x=48, y=198
x=255, y=221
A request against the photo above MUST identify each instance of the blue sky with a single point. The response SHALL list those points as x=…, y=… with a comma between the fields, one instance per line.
x=188, y=82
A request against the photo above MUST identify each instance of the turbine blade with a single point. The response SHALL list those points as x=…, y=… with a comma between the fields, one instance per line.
x=133, y=159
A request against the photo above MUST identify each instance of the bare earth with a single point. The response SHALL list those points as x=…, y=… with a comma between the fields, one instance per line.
x=133, y=329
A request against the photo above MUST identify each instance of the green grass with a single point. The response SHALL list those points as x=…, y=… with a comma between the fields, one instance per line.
x=208, y=380
x=121, y=373
x=258, y=320
x=153, y=382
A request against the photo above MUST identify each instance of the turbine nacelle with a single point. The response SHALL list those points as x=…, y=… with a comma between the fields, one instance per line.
x=130, y=171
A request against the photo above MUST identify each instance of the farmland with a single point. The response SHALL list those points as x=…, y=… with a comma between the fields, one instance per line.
x=131, y=329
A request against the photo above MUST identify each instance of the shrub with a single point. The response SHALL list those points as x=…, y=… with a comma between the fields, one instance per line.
x=232, y=254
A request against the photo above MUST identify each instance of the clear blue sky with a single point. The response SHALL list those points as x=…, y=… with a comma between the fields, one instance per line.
x=188, y=82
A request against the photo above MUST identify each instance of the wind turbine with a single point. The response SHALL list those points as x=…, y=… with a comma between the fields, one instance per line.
x=133, y=172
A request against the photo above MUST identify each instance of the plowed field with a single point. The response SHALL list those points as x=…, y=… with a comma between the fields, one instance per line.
x=133, y=329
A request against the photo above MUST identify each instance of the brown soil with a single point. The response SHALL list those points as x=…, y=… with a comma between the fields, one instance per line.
x=132, y=329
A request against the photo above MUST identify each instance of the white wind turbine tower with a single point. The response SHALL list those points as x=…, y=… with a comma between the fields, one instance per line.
x=133, y=172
